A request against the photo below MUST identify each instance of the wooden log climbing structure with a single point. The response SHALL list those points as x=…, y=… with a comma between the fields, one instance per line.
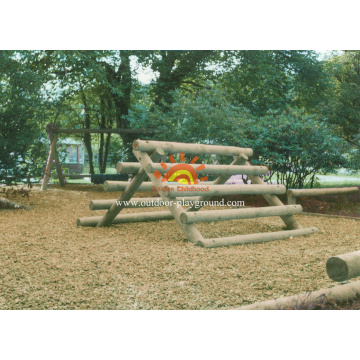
x=177, y=182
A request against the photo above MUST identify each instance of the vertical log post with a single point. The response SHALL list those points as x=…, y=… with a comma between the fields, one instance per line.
x=52, y=150
x=59, y=170
x=291, y=200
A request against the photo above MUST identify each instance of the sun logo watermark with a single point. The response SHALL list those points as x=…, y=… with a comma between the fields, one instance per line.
x=181, y=173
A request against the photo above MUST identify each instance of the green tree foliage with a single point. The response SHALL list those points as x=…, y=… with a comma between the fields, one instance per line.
x=218, y=97
x=98, y=81
x=204, y=117
x=22, y=142
x=295, y=146
x=273, y=80
x=343, y=105
x=178, y=69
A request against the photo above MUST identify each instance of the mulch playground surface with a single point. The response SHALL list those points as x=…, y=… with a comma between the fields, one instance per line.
x=47, y=262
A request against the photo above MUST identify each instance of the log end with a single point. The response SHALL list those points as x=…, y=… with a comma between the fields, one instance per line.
x=119, y=167
x=183, y=218
x=91, y=205
x=337, y=269
x=160, y=152
x=135, y=144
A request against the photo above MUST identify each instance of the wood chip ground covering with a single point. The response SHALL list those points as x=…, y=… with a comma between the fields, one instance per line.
x=47, y=262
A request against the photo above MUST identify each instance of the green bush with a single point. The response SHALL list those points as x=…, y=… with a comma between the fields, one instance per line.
x=295, y=146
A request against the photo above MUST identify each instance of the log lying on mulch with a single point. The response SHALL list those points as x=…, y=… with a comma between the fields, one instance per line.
x=7, y=204
x=303, y=300
x=344, y=267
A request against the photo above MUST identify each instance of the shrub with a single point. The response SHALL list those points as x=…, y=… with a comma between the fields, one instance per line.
x=295, y=146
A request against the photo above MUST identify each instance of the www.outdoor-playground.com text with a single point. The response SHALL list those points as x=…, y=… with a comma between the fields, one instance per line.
x=178, y=203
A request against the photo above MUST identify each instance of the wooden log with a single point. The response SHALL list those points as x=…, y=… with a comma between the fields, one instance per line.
x=59, y=169
x=111, y=186
x=213, y=190
x=291, y=200
x=304, y=300
x=121, y=186
x=255, y=238
x=174, y=147
x=320, y=192
x=133, y=203
x=273, y=200
x=7, y=204
x=231, y=214
x=50, y=159
x=239, y=160
x=126, y=218
x=215, y=169
x=126, y=168
x=131, y=188
x=190, y=230
x=344, y=267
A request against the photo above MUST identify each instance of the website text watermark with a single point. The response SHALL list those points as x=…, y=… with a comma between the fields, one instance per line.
x=179, y=203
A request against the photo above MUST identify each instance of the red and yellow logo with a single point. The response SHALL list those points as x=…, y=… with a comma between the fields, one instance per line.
x=182, y=173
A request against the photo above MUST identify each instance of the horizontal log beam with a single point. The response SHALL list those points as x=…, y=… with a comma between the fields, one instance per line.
x=128, y=167
x=213, y=190
x=173, y=148
x=133, y=203
x=255, y=238
x=232, y=214
x=304, y=300
x=320, y=192
x=110, y=186
x=215, y=169
x=136, y=203
x=121, y=185
x=126, y=218
x=344, y=267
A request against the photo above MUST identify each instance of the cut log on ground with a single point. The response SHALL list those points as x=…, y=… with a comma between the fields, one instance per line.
x=255, y=238
x=125, y=218
x=303, y=300
x=344, y=267
x=7, y=204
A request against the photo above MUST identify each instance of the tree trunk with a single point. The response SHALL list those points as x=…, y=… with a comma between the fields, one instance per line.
x=87, y=141
x=122, y=102
x=87, y=136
